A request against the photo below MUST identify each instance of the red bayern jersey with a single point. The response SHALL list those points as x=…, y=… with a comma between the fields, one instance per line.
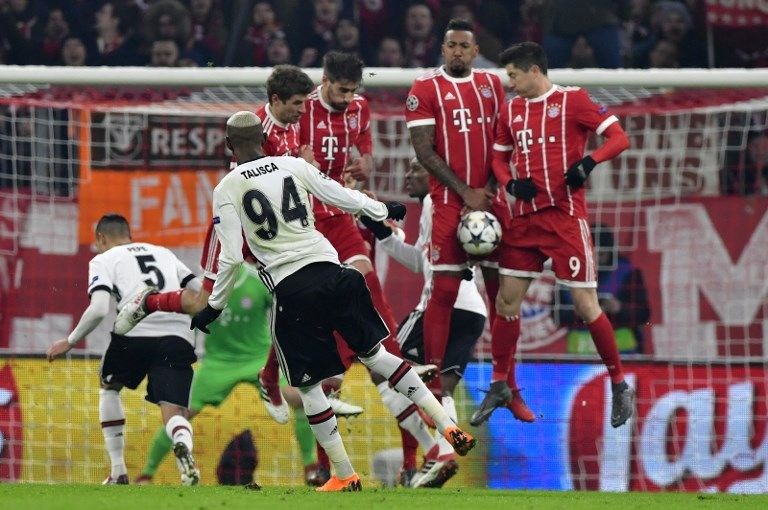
x=548, y=134
x=332, y=133
x=464, y=112
x=279, y=139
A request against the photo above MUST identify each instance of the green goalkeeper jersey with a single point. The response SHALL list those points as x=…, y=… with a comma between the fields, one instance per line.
x=242, y=332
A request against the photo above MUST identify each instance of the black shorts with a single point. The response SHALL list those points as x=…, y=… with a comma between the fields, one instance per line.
x=308, y=306
x=165, y=361
x=466, y=328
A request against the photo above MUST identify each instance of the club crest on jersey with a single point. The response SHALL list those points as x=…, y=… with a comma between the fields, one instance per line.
x=434, y=253
x=553, y=110
x=216, y=220
x=486, y=91
x=412, y=103
x=352, y=120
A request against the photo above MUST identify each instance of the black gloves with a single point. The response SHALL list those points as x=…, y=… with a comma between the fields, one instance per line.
x=395, y=210
x=524, y=189
x=204, y=317
x=379, y=228
x=579, y=171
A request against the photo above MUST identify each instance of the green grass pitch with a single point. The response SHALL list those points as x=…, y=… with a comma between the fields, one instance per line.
x=96, y=497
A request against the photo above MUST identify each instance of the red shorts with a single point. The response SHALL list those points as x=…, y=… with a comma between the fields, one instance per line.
x=341, y=230
x=549, y=233
x=445, y=251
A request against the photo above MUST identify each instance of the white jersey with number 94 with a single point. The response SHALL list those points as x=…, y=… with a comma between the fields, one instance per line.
x=267, y=200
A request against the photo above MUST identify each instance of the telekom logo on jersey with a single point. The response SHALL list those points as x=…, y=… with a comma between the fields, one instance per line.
x=330, y=146
x=462, y=118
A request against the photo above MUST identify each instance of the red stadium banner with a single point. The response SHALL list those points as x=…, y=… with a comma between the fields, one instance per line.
x=737, y=14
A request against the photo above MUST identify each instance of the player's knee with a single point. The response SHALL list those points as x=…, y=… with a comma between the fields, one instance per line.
x=507, y=306
x=586, y=306
x=363, y=265
x=367, y=357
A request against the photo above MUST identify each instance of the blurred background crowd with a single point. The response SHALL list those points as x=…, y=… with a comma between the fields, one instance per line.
x=387, y=33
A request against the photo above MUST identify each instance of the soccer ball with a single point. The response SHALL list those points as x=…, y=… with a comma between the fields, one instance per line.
x=479, y=233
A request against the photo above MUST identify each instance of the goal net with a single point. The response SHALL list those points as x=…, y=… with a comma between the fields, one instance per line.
x=681, y=232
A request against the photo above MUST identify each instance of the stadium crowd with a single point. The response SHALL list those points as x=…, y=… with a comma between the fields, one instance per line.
x=387, y=33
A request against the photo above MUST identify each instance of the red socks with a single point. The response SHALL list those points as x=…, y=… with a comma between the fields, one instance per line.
x=437, y=317
x=410, y=445
x=605, y=343
x=322, y=458
x=504, y=336
x=165, y=302
x=270, y=374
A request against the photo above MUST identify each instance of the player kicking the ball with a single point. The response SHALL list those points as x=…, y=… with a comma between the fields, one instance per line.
x=267, y=198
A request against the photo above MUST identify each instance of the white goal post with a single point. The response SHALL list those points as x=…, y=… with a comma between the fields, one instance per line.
x=373, y=77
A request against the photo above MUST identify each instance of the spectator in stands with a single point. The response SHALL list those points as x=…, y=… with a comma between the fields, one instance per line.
x=169, y=19
x=622, y=295
x=376, y=20
x=56, y=29
x=746, y=171
x=672, y=22
x=164, y=53
x=599, y=21
x=347, y=37
x=582, y=54
x=17, y=19
x=278, y=50
x=637, y=31
x=73, y=51
x=209, y=33
x=676, y=27
x=264, y=25
x=314, y=37
x=664, y=54
x=390, y=53
x=421, y=44
x=116, y=42
x=529, y=25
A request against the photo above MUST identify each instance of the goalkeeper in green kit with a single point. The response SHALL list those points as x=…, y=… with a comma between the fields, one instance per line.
x=235, y=351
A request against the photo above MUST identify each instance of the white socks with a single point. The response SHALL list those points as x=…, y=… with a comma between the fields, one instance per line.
x=404, y=379
x=325, y=427
x=450, y=409
x=112, y=420
x=179, y=430
x=397, y=404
